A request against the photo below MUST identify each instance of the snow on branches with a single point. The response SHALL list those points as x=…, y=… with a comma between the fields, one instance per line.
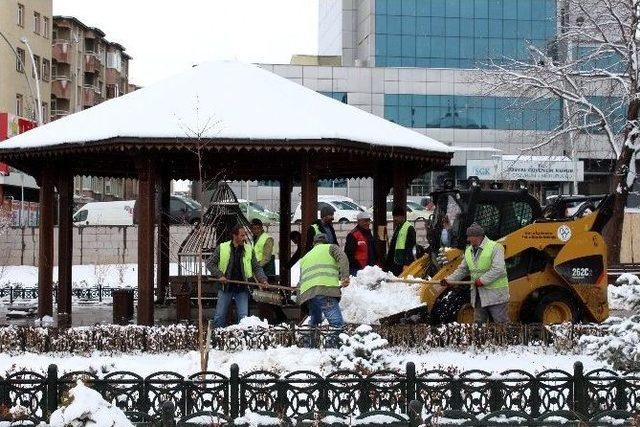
x=364, y=351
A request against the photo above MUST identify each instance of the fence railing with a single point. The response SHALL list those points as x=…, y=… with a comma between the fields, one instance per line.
x=305, y=394
x=94, y=293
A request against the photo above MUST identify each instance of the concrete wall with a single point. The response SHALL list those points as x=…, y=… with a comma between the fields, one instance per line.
x=111, y=245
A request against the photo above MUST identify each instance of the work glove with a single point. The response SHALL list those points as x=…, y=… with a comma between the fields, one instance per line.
x=478, y=283
x=345, y=282
x=444, y=283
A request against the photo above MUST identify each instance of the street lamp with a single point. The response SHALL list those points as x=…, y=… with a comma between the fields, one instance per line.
x=35, y=72
x=22, y=65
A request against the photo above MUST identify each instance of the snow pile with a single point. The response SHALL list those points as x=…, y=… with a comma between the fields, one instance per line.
x=625, y=295
x=253, y=419
x=249, y=322
x=364, y=351
x=619, y=346
x=370, y=297
x=88, y=408
x=44, y=322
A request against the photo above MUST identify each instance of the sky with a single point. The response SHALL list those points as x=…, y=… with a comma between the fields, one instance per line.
x=166, y=37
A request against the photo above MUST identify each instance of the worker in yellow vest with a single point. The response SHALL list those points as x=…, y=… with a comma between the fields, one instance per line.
x=484, y=262
x=324, y=270
x=403, y=243
x=323, y=225
x=263, y=248
x=234, y=260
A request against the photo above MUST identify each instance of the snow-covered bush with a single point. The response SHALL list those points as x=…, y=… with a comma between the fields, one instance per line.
x=618, y=346
x=88, y=408
x=364, y=351
x=625, y=295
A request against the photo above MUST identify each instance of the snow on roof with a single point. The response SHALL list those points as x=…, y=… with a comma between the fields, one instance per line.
x=225, y=99
x=516, y=157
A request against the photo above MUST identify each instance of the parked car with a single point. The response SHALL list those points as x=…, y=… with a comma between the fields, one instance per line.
x=424, y=201
x=346, y=209
x=182, y=210
x=252, y=210
x=105, y=213
x=415, y=211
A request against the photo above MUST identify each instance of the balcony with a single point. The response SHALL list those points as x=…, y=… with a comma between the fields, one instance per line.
x=61, y=86
x=91, y=96
x=92, y=63
x=112, y=76
x=57, y=114
x=62, y=49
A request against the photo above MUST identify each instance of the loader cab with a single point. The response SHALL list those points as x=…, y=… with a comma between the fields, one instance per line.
x=499, y=212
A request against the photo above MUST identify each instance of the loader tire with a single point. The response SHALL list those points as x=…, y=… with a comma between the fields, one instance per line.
x=556, y=308
x=455, y=306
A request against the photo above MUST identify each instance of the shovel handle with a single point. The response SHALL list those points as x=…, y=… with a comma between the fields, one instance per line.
x=431, y=282
x=259, y=285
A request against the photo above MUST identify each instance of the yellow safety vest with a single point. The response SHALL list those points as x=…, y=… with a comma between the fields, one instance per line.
x=225, y=258
x=319, y=268
x=258, y=246
x=483, y=264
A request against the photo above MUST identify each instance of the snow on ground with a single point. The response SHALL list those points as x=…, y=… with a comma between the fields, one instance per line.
x=369, y=297
x=287, y=359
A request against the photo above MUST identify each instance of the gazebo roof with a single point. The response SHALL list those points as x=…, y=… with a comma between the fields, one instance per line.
x=227, y=102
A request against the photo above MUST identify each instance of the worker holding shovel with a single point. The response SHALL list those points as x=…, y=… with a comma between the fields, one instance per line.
x=484, y=262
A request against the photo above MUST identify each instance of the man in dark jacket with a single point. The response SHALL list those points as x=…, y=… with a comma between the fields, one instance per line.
x=402, y=243
x=234, y=260
x=359, y=246
x=324, y=225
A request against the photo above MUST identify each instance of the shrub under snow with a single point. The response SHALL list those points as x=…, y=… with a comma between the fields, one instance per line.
x=364, y=351
x=625, y=294
x=620, y=346
x=88, y=408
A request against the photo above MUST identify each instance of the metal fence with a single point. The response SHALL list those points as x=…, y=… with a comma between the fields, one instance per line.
x=473, y=395
x=94, y=293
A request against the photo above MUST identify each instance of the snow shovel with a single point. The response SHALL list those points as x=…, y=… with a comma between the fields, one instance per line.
x=267, y=294
x=424, y=282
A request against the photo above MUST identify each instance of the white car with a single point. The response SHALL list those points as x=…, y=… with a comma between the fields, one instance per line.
x=346, y=209
x=105, y=213
x=415, y=211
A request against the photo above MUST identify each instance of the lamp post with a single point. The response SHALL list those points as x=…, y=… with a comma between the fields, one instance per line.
x=22, y=64
x=35, y=72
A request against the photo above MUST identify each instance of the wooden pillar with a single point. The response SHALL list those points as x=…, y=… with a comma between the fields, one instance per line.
x=400, y=183
x=45, y=244
x=381, y=186
x=285, y=230
x=65, y=249
x=146, y=220
x=162, y=278
x=309, y=199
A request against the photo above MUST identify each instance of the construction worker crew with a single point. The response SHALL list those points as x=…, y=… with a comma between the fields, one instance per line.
x=483, y=261
x=324, y=270
x=403, y=243
x=263, y=248
x=359, y=245
x=234, y=260
x=323, y=225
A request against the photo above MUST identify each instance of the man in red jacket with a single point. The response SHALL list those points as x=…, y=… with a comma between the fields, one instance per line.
x=359, y=246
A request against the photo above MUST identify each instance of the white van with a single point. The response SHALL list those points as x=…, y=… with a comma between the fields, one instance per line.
x=105, y=213
x=346, y=209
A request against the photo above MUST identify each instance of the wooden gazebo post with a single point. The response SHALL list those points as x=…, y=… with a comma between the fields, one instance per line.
x=400, y=183
x=65, y=249
x=45, y=245
x=146, y=219
x=381, y=187
x=162, y=277
x=285, y=230
x=309, y=199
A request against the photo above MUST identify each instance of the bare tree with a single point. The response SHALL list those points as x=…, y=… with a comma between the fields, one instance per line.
x=200, y=131
x=592, y=67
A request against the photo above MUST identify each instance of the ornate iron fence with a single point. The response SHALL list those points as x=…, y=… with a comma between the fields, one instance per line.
x=93, y=293
x=473, y=395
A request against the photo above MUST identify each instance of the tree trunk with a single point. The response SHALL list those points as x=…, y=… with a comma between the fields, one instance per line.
x=613, y=231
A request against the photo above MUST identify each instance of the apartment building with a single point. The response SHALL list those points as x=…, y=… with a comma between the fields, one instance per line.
x=24, y=25
x=88, y=69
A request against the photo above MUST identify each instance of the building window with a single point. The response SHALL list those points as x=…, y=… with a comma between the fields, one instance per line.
x=36, y=59
x=338, y=96
x=20, y=60
x=45, y=28
x=45, y=74
x=19, y=105
x=37, y=23
x=21, y=15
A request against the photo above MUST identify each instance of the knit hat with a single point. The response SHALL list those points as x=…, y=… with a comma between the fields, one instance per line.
x=475, y=230
x=363, y=215
x=326, y=211
x=320, y=238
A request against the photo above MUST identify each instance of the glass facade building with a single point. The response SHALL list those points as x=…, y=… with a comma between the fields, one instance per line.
x=473, y=112
x=459, y=33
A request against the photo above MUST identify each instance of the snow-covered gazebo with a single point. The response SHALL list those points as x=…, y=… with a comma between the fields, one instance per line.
x=235, y=120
